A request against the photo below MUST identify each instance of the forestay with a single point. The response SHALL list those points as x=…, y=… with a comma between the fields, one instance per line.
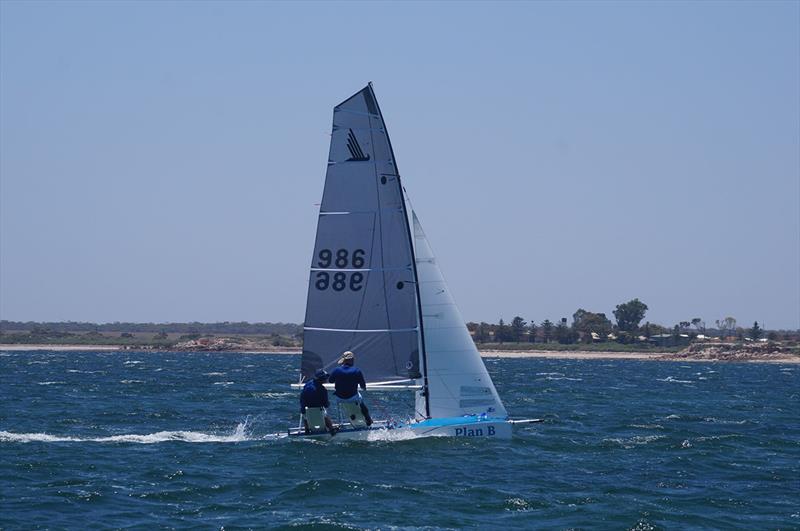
x=362, y=293
x=458, y=383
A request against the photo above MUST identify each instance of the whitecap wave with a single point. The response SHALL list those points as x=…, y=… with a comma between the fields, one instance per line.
x=51, y=383
x=638, y=440
x=724, y=421
x=273, y=395
x=719, y=437
x=673, y=380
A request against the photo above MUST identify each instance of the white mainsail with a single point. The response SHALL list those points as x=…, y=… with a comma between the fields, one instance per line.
x=362, y=289
x=458, y=383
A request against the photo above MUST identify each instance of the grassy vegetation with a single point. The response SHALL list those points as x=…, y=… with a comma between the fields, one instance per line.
x=50, y=337
x=148, y=335
x=160, y=340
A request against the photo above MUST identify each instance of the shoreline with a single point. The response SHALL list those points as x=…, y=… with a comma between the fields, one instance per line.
x=642, y=356
x=540, y=354
x=571, y=354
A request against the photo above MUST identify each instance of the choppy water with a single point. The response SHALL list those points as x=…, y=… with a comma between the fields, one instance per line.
x=180, y=440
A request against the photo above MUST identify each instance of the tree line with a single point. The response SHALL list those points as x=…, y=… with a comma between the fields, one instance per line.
x=589, y=327
x=586, y=327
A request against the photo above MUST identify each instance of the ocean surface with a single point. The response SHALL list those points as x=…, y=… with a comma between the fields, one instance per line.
x=195, y=440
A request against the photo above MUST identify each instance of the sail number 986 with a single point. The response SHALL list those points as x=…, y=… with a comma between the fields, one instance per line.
x=341, y=259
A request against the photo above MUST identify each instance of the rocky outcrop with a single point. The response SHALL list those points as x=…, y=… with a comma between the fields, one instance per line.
x=230, y=344
x=771, y=351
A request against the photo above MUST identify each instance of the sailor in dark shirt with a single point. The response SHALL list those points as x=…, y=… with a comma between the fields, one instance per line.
x=347, y=379
x=314, y=394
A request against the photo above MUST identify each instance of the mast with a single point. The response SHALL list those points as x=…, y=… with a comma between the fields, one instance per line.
x=413, y=261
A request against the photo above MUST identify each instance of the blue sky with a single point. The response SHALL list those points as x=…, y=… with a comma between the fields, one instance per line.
x=163, y=161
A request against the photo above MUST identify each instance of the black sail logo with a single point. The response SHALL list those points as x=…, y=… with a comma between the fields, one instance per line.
x=354, y=148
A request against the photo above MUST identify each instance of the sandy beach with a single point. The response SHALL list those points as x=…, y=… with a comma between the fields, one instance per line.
x=59, y=348
x=650, y=356
x=571, y=354
x=121, y=348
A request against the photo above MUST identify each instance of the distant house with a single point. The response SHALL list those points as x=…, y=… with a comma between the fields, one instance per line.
x=660, y=339
x=669, y=340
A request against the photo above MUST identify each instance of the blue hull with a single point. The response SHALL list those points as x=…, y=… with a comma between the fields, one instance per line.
x=480, y=427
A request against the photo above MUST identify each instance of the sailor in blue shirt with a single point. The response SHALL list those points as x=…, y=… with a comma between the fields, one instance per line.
x=314, y=394
x=347, y=379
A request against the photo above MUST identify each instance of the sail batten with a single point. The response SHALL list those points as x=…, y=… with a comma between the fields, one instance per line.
x=343, y=213
x=407, y=268
x=359, y=331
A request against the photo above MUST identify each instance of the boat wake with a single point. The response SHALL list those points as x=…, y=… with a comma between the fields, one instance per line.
x=397, y=434
x=239, y=434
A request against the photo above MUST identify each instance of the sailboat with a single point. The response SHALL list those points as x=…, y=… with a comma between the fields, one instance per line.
x=376, y=289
